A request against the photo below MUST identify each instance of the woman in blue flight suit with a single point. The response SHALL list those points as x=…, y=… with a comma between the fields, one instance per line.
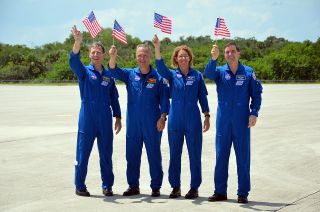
x=98, y=92
x=187, y=87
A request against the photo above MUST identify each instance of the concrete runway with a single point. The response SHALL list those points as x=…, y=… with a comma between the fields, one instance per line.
x=38, y=126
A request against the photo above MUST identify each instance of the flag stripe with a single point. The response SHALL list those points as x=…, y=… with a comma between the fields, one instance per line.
x=221, y=29
x=119, y=33
x=163, y=23
x=92, y=25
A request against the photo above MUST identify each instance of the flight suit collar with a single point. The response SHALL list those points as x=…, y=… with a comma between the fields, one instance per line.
x=91, y=67
x=240, y=69
x=191, y=71
x=152, y=71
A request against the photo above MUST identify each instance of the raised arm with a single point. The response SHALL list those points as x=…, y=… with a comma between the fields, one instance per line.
x=113, y=57
x=156, y=44
x=74, y=60
x=116, y=72
x=77, y=35
x=210, y=70
x=161, y=67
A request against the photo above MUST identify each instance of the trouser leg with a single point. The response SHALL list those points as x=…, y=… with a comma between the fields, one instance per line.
x=223, y=146
x=133, y=156
x=194, y=144
x=84, y=147
x=105, y=147
x=242, y=151
x=153, y=149
x=175, y=144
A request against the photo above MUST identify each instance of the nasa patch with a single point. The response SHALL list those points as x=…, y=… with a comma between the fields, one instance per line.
x=94, y=77
x=136, y=78
x=227, y=77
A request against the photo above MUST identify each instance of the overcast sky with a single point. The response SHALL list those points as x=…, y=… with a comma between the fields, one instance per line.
x=37, y=22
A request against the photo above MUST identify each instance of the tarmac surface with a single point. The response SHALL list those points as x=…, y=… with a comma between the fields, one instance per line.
x=38, y=127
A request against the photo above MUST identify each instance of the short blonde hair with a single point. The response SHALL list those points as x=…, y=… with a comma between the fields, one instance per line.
x=175, y=55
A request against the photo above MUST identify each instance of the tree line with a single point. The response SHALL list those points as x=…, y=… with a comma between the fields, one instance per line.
x=272, y=59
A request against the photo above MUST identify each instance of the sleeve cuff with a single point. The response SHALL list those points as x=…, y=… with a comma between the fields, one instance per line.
x=112, y=68
x=117, y=115
x=254, y=112
x=74, y=55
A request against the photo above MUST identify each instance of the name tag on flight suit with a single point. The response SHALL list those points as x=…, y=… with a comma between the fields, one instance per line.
x=240, y=79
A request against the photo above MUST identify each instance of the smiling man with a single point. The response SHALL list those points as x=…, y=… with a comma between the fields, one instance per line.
x=236, y=86
x=147, y=108
x=99, y=99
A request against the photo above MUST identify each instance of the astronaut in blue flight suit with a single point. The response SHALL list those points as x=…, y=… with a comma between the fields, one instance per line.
x=236, y=86
x=187, y=87
x=147, y=108
x=98, y=92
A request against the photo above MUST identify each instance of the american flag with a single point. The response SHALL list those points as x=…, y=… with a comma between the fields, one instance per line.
x=92, y=25
x=163, y=23
x=119, y=33
x=221, y=29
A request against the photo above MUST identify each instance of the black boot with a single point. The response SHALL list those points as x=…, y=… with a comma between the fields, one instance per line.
x=242, y=199
x=107, y=192
x=83, y=193
x=131, y=191
x=155, y=192
x=175, y=193
x=192, y=194
x=217, y=197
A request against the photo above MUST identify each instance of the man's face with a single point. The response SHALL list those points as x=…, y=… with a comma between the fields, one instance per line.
x=96, y=55
x=143, y=57
x=231, y=54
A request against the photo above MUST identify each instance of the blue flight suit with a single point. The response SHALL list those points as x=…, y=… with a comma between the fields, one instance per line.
x=234, y=94
x=98, y=92
x=185, y=121
x=148, y=98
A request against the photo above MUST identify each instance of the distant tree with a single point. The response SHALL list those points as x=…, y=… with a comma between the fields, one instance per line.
x=274, y=58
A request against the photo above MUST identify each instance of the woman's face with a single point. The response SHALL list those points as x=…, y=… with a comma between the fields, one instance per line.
x=183, y=59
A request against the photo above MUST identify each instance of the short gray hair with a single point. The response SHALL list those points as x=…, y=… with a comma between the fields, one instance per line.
x=145, y=46
x=97, y=44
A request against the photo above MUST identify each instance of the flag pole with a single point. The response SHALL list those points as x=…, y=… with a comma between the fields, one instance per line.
x=215, y=36
x=154, y=29
x=112, y=32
